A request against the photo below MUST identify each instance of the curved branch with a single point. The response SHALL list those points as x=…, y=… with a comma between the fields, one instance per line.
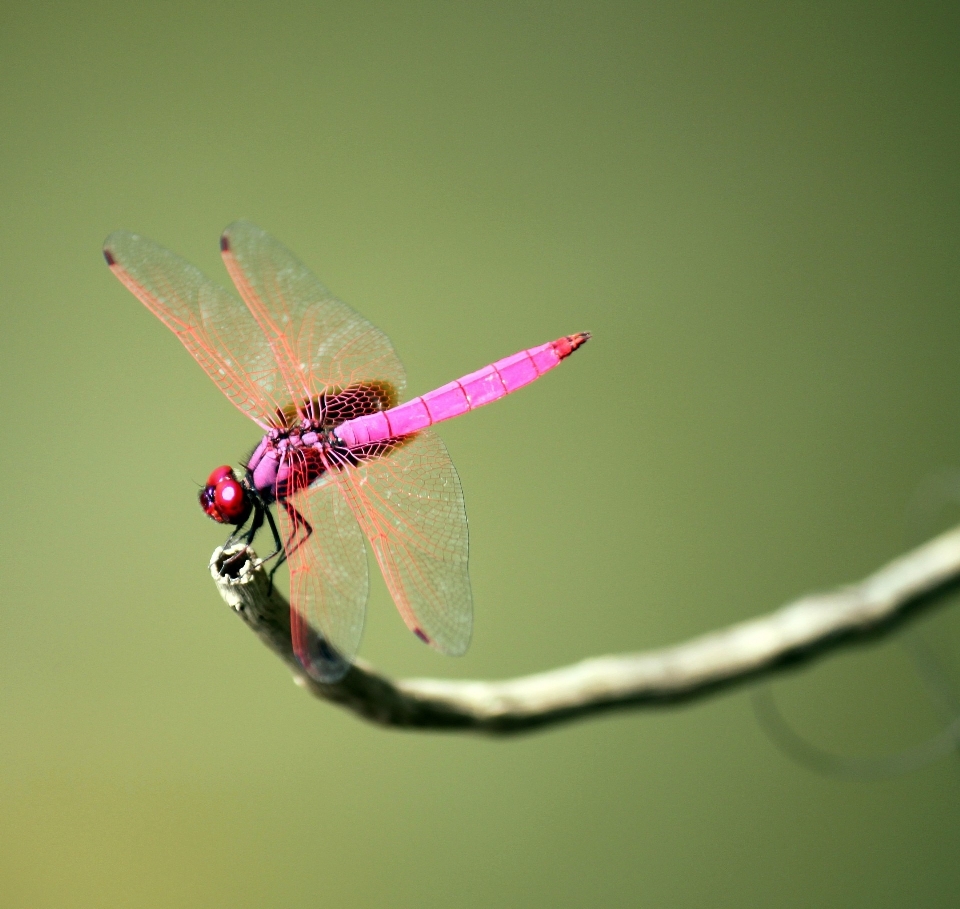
x=799, y=631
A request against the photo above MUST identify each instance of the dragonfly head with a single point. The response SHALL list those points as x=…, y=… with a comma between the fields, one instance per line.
x=224, y=498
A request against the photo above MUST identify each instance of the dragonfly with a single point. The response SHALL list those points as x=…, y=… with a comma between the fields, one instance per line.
x=341, y=458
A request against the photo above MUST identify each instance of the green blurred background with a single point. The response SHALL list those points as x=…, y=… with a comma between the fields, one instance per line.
x=753, y=207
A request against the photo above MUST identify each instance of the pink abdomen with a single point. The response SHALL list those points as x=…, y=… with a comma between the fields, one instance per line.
x=472, y=391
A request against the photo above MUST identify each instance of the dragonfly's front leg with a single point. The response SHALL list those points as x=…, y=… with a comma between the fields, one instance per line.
x=277, y=542
x=261, y=513
x=247, y=535
x=280, y=549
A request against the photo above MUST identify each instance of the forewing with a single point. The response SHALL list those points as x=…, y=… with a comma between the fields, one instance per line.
x=406, y=496
x=214, y=326
x=318, y=342
x=329, y=583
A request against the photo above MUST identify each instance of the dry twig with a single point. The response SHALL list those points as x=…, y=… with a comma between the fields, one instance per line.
x=808, y=627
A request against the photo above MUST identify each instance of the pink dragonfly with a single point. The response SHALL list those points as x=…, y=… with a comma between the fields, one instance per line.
x=339, y=452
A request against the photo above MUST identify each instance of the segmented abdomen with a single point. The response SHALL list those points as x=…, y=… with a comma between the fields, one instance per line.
x=472, y=391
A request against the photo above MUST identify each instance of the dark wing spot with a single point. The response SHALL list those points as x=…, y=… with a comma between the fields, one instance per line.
x=224, y=243
x=325, y=650
x=421, y=635
x=325, y=664
x=109, y=257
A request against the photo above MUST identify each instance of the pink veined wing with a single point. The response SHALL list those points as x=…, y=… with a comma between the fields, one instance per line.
x=321, y=346
x=213, y=325
x=329, y=583
x=319, y=343
x=408, y=500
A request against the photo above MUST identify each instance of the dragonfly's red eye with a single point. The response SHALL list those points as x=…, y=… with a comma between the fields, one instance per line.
x=223, y=498
x=221, y=473
x=230, y=500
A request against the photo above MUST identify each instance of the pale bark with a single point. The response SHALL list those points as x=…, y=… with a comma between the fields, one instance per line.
x=801, y=630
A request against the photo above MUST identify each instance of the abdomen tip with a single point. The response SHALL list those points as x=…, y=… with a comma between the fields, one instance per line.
x=566, y=346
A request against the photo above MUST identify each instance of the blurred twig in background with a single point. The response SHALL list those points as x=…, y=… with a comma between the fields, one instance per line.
x=938, y=746
x=938, y=496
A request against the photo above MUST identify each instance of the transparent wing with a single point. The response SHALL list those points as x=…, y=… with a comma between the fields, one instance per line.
x=319, y=343
x=214, y=326
x=328, y=573
x=406, y=496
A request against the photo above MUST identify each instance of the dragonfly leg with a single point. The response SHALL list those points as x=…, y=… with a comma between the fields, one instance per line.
x=276, y=540
x=247, y=535
x=280, y=553
x=273, y=571
x=298, y=521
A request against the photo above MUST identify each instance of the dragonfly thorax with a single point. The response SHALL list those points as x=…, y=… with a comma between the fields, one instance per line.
x=292, y=458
